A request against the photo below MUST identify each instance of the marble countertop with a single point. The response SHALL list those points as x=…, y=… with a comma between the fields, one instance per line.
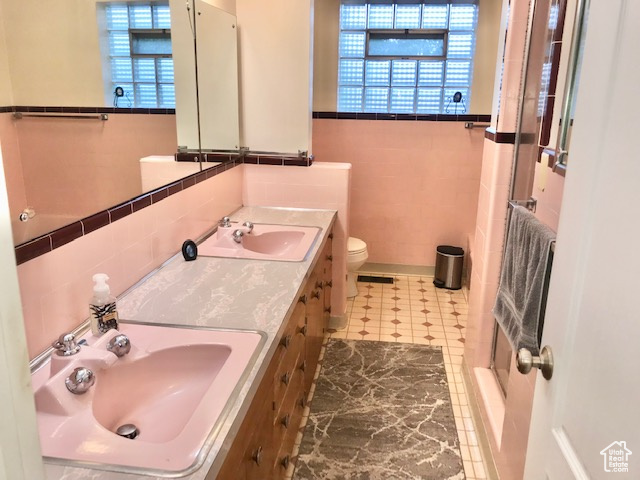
x=222, y=293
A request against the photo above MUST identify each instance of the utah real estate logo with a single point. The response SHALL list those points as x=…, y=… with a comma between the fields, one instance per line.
x=616, y=457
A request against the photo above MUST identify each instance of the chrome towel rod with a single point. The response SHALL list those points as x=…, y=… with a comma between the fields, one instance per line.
x=476, y=125
x=528, y=204
x=100, y=116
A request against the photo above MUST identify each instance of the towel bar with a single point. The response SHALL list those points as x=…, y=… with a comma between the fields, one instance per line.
x=528, y=204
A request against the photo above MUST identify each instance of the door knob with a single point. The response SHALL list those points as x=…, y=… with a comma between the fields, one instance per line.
x=525, y=361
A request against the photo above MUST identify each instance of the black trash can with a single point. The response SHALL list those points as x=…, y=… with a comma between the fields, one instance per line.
x=449, y=262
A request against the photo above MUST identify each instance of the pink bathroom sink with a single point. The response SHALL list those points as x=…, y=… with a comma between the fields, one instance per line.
x=175, y=386
x=266, y=242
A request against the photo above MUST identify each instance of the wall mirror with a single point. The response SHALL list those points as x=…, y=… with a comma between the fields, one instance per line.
x=72, y=54
x=473, y=27
x=572, y=83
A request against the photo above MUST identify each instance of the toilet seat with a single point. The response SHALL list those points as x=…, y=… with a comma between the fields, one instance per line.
x=355, y=246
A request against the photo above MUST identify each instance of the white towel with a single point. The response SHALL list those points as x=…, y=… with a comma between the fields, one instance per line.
x=519, y=299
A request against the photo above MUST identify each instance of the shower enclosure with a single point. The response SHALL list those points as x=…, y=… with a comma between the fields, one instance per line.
x=544, y=125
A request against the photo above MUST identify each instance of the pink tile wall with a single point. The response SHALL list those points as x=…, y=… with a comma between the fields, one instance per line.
x=509, y=442
x=414, y=184
x=56, y=287
x=12, y=165
x=514, y=55
x=322, y=185
x=68, y=162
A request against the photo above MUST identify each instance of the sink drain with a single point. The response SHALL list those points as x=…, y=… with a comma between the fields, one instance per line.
x=128, y=430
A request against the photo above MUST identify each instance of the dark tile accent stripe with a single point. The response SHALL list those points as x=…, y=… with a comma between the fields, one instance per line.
x=499, y=137
x=188, y=181
x=298, y=162
x=270, y=161
x=53, y=109
x=95, y=222
x=46, y=243
x=174, y=188
x=201, y=176
x=34, y=248
x=402, y=116
x=282, y=161
x=141, y=202
x=187, y=157
x=159, y=195
x=120, y=212
x=66, y=234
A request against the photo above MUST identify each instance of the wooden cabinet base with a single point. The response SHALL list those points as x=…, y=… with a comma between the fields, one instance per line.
x=262, y=447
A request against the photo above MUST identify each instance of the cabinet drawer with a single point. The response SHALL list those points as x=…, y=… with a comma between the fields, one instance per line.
x=287, y=421
x=261, y=451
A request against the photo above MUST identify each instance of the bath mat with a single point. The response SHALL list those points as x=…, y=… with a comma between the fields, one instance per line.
x=374, y=279
x=380, y=411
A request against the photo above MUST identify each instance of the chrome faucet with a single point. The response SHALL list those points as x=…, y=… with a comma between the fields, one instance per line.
x=248, y=225
x=224, y=222
x=80, y=381
x=237, y=236
x=66, y=345
x=119, y=345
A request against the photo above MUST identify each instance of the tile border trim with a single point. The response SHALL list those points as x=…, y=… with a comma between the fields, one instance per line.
x=50, y=241
x=52, y=109
x=402, y=116
x=500, y=137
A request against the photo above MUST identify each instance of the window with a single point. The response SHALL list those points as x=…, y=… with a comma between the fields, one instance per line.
x=406, y=56
x=139, y=37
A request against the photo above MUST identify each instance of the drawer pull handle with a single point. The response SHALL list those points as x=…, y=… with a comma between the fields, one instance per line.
x=303, y=299
x=257, y=456
x=303, y=365
x=330, y=258
x=331, y=236
x=303, y=330
x=303, y=400
x=315, y=294
x=328, y=284
x=327, y=309
x=319, y=284
x=286, y=420
x=285, y=462
x=285, y=378
x=286, y=341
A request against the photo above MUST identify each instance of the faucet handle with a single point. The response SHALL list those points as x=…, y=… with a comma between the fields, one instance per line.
x=237, y=236
x=80, y=380
x=119, y=345
x=249, y=226
x=224, y=222
x=66, y=345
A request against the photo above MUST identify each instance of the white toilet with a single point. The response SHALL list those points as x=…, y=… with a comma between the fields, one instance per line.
x=356, y=257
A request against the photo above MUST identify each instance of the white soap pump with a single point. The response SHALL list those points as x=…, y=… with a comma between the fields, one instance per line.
x=102, y=308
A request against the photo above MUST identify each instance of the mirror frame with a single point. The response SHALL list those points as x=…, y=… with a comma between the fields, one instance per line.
x=571, y=86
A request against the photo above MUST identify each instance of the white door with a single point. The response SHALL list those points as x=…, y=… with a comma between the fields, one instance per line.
x=589, y=412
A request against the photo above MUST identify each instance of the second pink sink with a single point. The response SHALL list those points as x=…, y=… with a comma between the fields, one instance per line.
x=266, y=242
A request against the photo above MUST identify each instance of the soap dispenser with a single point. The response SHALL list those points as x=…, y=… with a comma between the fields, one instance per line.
x=102, y=308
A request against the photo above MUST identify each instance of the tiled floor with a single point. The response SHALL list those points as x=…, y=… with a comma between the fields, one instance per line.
x=412, y=310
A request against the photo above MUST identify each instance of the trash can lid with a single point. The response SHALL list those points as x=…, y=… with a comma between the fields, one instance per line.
x=450, y=250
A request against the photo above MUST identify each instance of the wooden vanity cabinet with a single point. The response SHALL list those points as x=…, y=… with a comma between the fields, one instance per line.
x=263, y=444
